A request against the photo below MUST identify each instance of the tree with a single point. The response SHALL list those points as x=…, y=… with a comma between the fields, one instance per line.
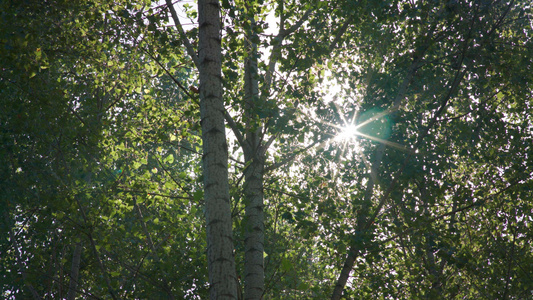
x=83, y=130
x=428, y=200
x=222, y=278
x=468, y=47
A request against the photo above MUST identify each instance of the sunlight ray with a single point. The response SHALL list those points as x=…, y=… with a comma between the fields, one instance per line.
x=388, y=143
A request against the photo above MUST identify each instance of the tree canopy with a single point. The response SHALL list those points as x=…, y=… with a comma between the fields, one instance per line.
x=107, y=188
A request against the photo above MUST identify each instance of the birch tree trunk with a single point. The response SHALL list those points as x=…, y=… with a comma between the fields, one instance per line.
x=221, y=263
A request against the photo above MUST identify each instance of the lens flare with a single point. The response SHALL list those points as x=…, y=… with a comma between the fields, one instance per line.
x=348, y=133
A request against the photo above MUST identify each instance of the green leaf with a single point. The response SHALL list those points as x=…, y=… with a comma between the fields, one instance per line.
x=286, y=265
x=198, y=196
x=169, y=159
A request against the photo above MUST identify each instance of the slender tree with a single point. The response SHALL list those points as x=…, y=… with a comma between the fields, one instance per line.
x=221, y=262
x=103, y=121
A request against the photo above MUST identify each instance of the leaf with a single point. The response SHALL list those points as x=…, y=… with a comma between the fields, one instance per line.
x=169, y=159
x=198, y=196
x=38, y=54
x=286, y=265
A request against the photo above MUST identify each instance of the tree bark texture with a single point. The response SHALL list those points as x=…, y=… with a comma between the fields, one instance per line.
x=74, y=271
x=254, y=277
x=221, y=263
x=254, y=234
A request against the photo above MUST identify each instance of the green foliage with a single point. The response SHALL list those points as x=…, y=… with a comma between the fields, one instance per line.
x=100, y=144
x=96, y=152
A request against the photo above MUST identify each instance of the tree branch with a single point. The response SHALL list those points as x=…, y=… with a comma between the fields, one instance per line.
x=263, y=149
x=386, y=195
x=235, y=129
x=96, y=253
x=188, y=45
x=276, y=50
x=176, y=81
x=362, y=222
x=151, y=246
x=453, y=212
x=292, y=156
x=339, y=34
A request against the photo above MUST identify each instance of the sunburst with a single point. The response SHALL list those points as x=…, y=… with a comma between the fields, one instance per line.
x=348, y=133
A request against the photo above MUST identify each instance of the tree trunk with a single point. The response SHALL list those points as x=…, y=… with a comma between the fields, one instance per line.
x=364, y=220
x=221, y=263
x=254, y=278
x=254, y=235
x=74, y=272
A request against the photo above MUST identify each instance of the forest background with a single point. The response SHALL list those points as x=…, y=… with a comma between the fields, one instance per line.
x=146, y=159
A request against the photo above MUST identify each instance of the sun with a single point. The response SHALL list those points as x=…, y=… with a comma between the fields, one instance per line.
x=348, y=137
x=348, y=133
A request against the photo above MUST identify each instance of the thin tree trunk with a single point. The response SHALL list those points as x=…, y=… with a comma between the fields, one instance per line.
x=254, y=277
x=254, y=274
x=221, y=263
x=74, y=272
x=364, y=219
